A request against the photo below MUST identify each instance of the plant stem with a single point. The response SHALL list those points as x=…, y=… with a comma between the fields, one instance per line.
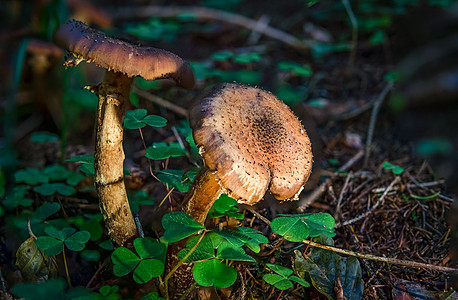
x=354, y=33
x=66, y=268
x=182, y=261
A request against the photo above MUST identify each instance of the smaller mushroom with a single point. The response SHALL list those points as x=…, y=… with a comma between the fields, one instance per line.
x=123, y=61
x=250, y=142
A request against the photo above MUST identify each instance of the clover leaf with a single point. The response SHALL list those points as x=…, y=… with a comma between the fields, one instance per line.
x=296, y=228
x=139, y=118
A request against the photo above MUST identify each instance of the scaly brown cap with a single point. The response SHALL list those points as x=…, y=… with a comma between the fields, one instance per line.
x=120, y=56
x=251, y=141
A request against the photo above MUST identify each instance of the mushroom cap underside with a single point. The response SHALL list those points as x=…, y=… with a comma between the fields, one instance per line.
x=121, y=56
x=252, y=142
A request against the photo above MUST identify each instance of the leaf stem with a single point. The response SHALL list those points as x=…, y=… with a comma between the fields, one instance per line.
x=182, y=261
x=66, y=267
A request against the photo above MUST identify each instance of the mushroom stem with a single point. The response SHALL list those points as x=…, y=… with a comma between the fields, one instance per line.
x=205, y=190
x=113, y=95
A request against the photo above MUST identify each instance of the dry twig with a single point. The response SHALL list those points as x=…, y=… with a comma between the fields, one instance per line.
x=204, y=13
x=161, y=102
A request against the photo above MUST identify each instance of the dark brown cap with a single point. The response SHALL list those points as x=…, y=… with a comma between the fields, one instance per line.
x=124, y=57
x=252, y=142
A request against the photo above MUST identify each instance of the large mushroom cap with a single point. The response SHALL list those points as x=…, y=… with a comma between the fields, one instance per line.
x=120, y=56
x=251, y=141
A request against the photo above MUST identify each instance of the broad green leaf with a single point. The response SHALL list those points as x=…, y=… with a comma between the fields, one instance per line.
x=299, y=280
x=232, y=239
x=154, y=121
x=44, y=211
x=139, y=198
x=104, y=290
x=222, y=276
x=148, y=248
x=90, y=255
x=256, y=238
x=162, y=151
x=138, y=118
x=49, y=245
x=133, y=119
x=77, y=241
x=324, y=267
x=296, y=228
x=205, y=250
x=235, y=254
x=394, y=168
x=86, y=163
x=226, y=206
x=174, y=178
x=17, y=198
x=43, y=137
x=179, y=225
x=48, y=189
x=278, y=281
x=222, y=55
x=300, y=70
x=31, y=176
x=50, y=289
x=147, y=269
x=54, y=232
x=247, y=58
x=124, y=261
x=106, y=245
x=56, y=172
x=280, y=270
x=74, y=178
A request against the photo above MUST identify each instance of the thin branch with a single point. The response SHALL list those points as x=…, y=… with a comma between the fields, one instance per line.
x=204, y=13
x=161, y=102
x=380, y=200
x=305, y=202
x=375, y=110
x=407, y=263
x=339, y=201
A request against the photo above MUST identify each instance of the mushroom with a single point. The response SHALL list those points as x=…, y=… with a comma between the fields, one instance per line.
x=123, y=61
x=250, y=142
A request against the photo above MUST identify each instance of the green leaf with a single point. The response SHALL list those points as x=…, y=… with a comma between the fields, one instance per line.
x=179, y=225
x=49, y=189
x=49, y=245
x=133, y=119
x=214, y=273
x=296, y=228
x=148, y=248
x=138, y=118
x=280, y=270
x=256, y=238
x=106, y=245
x=77, y=241
x=43, y=137
x=154, y=121
x=124, y=261
x=175, y=178
x=394, y=168
x=90, y=255
x=162, y=151
x=235, y=254
x=246, y=58
x=86, y=163
x=278, y=281
x=17, y=198
x=232, y=239
x=222, y=55
x=50, y=289
x=226, y=206
x=46, y=210
x=147, y=269
x=56, y=172
x=30, y=176
x=139, y=198
x=324, y=267
x=104, y=290
x=299, y=280
x=204, y=251
x=300, y=70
